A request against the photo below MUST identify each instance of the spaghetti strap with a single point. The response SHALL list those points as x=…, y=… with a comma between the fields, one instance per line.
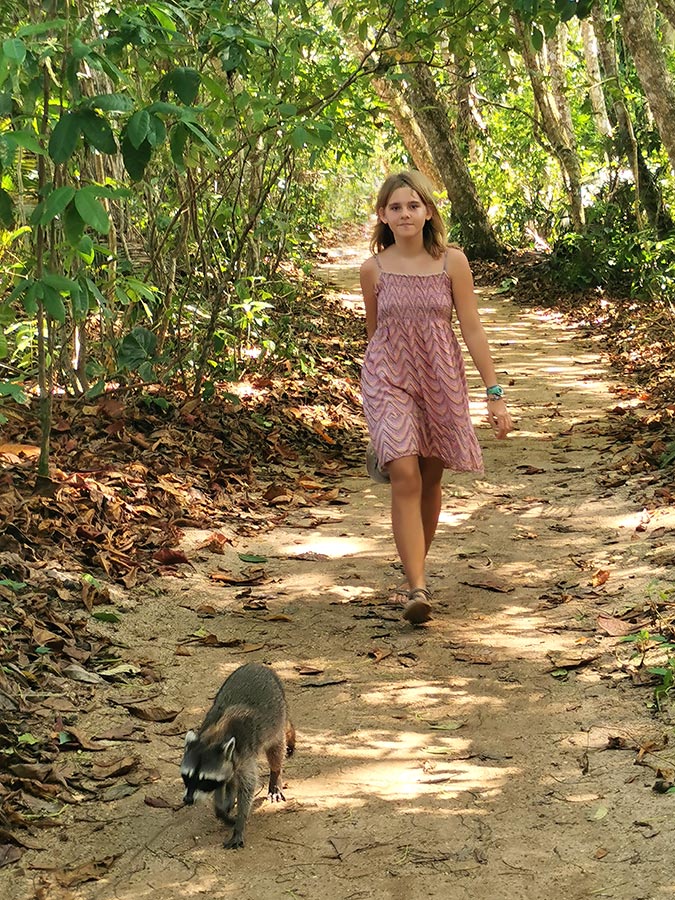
x=445, y=261
x=376, y=257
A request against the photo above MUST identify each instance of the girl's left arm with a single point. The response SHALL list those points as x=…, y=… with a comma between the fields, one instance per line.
x=466, y=306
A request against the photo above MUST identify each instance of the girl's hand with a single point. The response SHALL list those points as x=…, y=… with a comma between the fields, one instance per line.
x=499, y=418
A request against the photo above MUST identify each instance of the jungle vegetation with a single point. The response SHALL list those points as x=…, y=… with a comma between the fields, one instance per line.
x=169, y=169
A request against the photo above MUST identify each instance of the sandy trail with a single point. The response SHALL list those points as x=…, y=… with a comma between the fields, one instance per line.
x=452, y=761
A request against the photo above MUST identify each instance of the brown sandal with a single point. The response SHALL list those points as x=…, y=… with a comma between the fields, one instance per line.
x=418, y=608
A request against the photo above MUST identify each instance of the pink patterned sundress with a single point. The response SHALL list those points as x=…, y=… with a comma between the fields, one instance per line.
x=415, y=396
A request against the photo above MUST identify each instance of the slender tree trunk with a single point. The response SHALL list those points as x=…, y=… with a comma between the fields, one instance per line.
x=411, y=134
x=552, y=125
x=648, y=193
x=598, y=105
x=638, y=19
x=431, y=114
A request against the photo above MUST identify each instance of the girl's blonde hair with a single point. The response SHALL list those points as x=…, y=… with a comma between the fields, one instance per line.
x=434, y=235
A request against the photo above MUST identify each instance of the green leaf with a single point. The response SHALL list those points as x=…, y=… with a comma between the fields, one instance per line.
x=41, y=28
x=56, y=202
x=80, y=50
x=167, y=109
x=202, y=137
x=104, y=616
x=6, y=209
x=252, y=558
x=112, y=103
x=53, y=302
x=27, y=139
x=537, y=39
x=138, y=127
x=137, y=348
x=185, y=83
x=136, y=159
x=59, y=282
x=15, y=586
x=64, y=137
x=7, y=315
x=97, y=131
x=19, y=289
x=73, y=225
x=85, y=249
x=28, y=738
x=300, y=137
x=29, y=299
x=14, y=50
x=92, y=210
x=156, y=131
x=177, y=140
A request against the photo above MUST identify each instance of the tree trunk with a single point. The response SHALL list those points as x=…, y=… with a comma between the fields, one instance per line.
x=598, y=105
x=638, y=19
x=553, y=127
x=647, y=191
x=406, y=125
x=431, y=114
x=667, y=10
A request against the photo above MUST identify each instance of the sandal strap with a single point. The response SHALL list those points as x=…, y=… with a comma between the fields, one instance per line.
x=426, y=593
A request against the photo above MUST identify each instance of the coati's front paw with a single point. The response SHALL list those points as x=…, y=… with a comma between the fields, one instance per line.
x=275, y=795
x=235, y=842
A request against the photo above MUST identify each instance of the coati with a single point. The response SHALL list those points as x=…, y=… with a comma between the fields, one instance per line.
x=249, y=716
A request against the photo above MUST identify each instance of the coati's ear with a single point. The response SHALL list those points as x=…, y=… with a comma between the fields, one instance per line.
x=190, y=738
x=228, y=749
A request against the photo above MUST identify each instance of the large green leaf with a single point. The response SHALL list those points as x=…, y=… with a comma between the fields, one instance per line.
x=59, y=282
x=97, y=131
x=184, y=82
x=177, y=139
x=156, y=131
x=112, y=102
x=14, y=50
x=136, y=159
x=137, y=349
x=138, y=127
x=27, y=139
x=92, y=210
x=56, y=202
x=53, y=302
x=64, y=137
x=73, y=225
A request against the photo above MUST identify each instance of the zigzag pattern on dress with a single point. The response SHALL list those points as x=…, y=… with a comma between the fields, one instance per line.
x=415, y=397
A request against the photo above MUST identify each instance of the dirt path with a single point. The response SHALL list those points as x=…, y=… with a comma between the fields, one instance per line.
x=463, y=760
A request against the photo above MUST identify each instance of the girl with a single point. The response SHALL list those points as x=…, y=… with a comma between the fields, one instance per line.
x=414, y=388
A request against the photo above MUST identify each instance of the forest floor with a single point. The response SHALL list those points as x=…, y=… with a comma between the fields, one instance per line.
x=509, y=749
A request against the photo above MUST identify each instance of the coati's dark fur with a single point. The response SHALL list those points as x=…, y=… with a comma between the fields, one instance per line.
x=249, y=716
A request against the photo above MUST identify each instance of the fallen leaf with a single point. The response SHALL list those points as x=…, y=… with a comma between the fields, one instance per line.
x=600, y=577
x=169, y=557
x=613, y=626
x=488, y=583
x=151, y=713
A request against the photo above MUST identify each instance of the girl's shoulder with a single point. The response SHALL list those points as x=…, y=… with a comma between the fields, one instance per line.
x=369, y=265
x=455, y=259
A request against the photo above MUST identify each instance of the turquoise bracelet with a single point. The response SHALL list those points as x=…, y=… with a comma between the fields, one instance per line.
x=496, y=392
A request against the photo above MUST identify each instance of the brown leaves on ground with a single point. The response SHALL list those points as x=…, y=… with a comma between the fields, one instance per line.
x=129, y=471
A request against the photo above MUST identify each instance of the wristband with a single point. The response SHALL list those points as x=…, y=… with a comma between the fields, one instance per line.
x=496, y=392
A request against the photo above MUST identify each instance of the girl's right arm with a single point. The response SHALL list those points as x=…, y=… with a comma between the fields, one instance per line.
x=368, y=284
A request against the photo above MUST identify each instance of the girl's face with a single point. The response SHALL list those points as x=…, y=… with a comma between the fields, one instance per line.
x=405, y=213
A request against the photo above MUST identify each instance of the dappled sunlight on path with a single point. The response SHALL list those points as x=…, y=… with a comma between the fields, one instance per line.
x=444, y=761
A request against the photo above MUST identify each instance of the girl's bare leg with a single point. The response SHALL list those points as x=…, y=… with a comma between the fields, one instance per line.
x=406, y=517
x=432, y=475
